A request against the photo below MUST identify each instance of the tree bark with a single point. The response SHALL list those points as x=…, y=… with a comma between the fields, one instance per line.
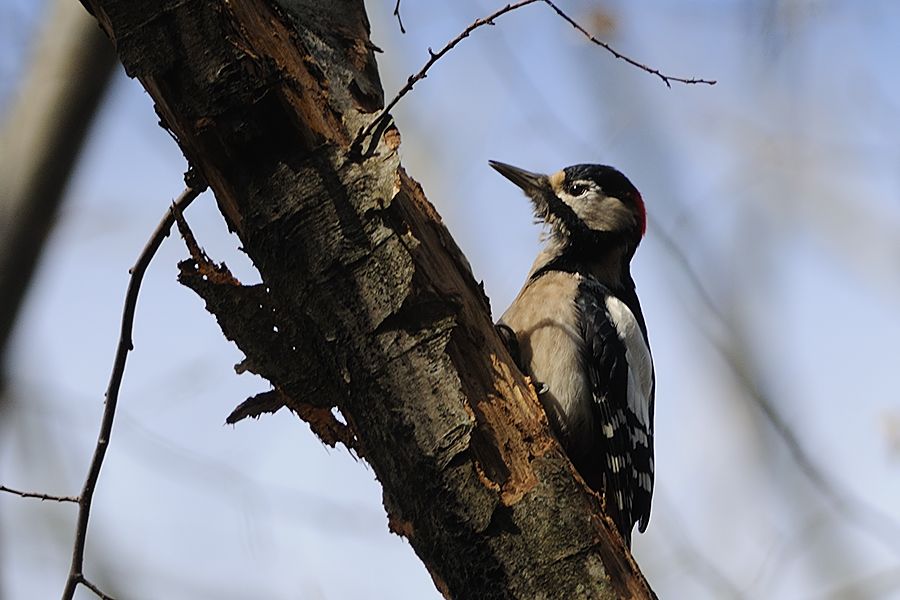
x=367, y=305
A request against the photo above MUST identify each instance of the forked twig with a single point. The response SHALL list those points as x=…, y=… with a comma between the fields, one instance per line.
x=76, y=570
x=382, y=118
x=397, y=14
x=433, y=58
x=97, y=591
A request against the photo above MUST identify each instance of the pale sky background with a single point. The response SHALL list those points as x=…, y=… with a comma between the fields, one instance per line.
x=781, y=184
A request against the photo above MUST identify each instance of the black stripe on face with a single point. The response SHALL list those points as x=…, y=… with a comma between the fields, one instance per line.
x=581, y=239
x=566, y=215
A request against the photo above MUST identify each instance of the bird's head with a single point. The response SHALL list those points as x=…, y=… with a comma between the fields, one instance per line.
x=584, y=205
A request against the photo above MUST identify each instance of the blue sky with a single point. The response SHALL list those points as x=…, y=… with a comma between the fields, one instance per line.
x=780, y=184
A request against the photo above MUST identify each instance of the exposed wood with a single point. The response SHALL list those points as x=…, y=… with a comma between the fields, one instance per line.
x=367, y=304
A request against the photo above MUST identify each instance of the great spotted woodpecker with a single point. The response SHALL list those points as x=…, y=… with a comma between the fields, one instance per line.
x=577, y=329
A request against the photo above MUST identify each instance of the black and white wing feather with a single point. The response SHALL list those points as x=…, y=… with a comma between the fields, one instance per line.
x=620, y=376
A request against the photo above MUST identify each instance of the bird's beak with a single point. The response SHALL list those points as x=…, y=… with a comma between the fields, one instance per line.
x=532, y=184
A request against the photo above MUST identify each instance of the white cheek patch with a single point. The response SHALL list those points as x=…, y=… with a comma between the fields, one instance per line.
x=640, y=364
x=597, y=211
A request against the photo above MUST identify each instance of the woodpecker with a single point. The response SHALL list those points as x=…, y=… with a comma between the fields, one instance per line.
x=577, y=329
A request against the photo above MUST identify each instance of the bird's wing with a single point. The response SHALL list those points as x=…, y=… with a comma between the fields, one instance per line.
x=622, y=394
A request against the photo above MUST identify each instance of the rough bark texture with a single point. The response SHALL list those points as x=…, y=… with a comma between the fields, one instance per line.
x=366, y=304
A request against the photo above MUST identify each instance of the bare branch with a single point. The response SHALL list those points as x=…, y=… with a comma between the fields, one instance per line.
x=667, y=79
x=38, y=495
x=93, y=587
x=433, y=58
x=383, y=116
x=76, y=574
x=397, y=14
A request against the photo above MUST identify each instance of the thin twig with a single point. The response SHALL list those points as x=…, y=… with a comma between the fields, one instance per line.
x=383, y=116
x=76, y=574
x=397, y=14
x=855, y=508
x=97, y=591
x=667, y=79
x=38, y=495
x=433, y=58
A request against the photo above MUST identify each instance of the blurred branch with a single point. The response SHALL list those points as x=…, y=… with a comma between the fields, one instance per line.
x=700, y=566
x=694, y=279
x=40, y=140
x=881, y=584
x=76, y=574
x=782, y=554
x=381, y=120
x=38, y=495
x=854, y=508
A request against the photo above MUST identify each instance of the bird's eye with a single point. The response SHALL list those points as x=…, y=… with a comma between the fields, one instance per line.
x=577, y=189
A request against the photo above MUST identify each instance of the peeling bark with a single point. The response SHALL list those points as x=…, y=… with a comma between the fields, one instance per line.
x=367, y=305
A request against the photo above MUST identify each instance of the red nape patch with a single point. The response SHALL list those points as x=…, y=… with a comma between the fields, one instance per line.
x=642, y=212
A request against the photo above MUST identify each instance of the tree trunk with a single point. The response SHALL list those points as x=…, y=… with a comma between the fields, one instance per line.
x=367, y=304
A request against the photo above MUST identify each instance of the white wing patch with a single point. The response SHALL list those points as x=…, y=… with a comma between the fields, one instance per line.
x=640, y=364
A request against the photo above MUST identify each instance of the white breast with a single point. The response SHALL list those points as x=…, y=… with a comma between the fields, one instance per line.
x=640, y=363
